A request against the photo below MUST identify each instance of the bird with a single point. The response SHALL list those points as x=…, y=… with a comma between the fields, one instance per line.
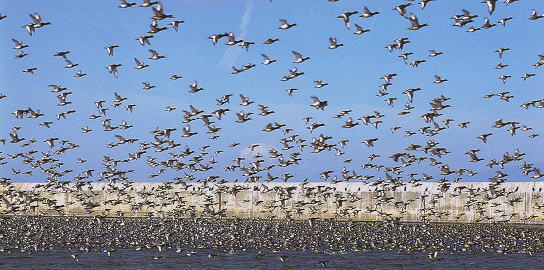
x=144, y=40
x=147, y=86
x=415, y=23
x=110, y=48
x=245, y=101
x=285, y=25
x=18, y=44
x=215, y=37
x=433, y=53
x=69, y=64
x=38, y=20
x=504, y=20
x=269, y=41
x=175, y=24
x=370, y=142
x=290, y=91
x=112, y=69
x=439, y=80
x=158, y=12
x=193, y=88
x=155, y=28
x=51, y=142
x=80, y=74
x=483, y=137
x=318, y=104
x=491, y=4
x=299, y=58
x=472, y=154
x=345, y=17
x=527, y=76
x=62, y=53
x=367, y=13
x=139, y=64
x=320, y=84
x=334, y=44
x=360, y=30
x=487, y=24
x=155, y=55
x=125, y=4
x=424, y=3
x=30, y=70
x=434, y=256
x=21, y=55
x=402, y=9
x=148, y=3
x=501, y=51
x=410, y=93
x=535, y=16
x=267, y=60
x=232, y=40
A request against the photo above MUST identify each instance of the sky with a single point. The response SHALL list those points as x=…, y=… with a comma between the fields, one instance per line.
x=352, y=72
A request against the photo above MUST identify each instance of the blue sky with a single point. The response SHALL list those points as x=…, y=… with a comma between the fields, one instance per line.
x=352, y=72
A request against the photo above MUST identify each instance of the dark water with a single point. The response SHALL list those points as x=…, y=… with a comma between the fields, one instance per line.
x=170, y=259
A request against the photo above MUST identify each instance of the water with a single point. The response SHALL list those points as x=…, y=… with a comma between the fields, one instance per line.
x=170, y=259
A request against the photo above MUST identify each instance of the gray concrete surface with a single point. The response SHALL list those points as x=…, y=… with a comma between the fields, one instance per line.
x=518, y=202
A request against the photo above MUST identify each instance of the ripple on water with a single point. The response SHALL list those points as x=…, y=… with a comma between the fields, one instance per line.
x=145, y=259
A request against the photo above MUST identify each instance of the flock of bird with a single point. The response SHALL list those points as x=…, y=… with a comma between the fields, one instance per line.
x=199, y=169
x=83, y=239
x=197, y=163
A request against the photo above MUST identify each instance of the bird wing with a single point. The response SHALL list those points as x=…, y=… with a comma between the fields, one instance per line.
x=491, y=6
x=36, y=18
x=231, y=36
x=157, y=10
x=413, y=19
x=358, y=27
x=62, y=98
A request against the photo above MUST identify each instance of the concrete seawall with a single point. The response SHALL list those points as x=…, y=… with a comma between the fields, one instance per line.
x=518, y=202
